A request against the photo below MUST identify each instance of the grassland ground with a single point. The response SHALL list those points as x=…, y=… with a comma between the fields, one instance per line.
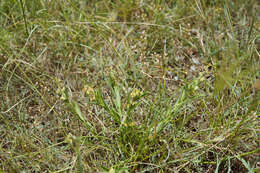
x=129, y=86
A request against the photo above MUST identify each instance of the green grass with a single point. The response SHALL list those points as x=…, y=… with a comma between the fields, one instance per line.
x=129, y=86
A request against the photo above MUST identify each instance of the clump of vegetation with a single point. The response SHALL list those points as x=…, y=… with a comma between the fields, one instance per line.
x=129, y=86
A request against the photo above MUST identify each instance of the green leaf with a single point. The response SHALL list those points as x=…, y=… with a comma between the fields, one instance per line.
x=77, y=110
x=250, y=170
x=118, y=101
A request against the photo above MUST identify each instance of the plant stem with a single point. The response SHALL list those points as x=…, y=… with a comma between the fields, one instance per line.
x=24, y=18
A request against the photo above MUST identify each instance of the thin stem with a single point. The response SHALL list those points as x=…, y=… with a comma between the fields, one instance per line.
x=24, y=18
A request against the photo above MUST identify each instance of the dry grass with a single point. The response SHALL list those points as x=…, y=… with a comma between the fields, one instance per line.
x=129, y=86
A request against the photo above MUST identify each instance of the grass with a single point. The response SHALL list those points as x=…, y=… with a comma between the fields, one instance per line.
x=129, y=86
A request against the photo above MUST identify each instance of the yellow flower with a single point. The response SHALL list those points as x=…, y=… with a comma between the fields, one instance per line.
x=89, y=91
x=218, y=10
x=135, y=92
x=132, y=124
x=69, y=139
x=61, y=93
